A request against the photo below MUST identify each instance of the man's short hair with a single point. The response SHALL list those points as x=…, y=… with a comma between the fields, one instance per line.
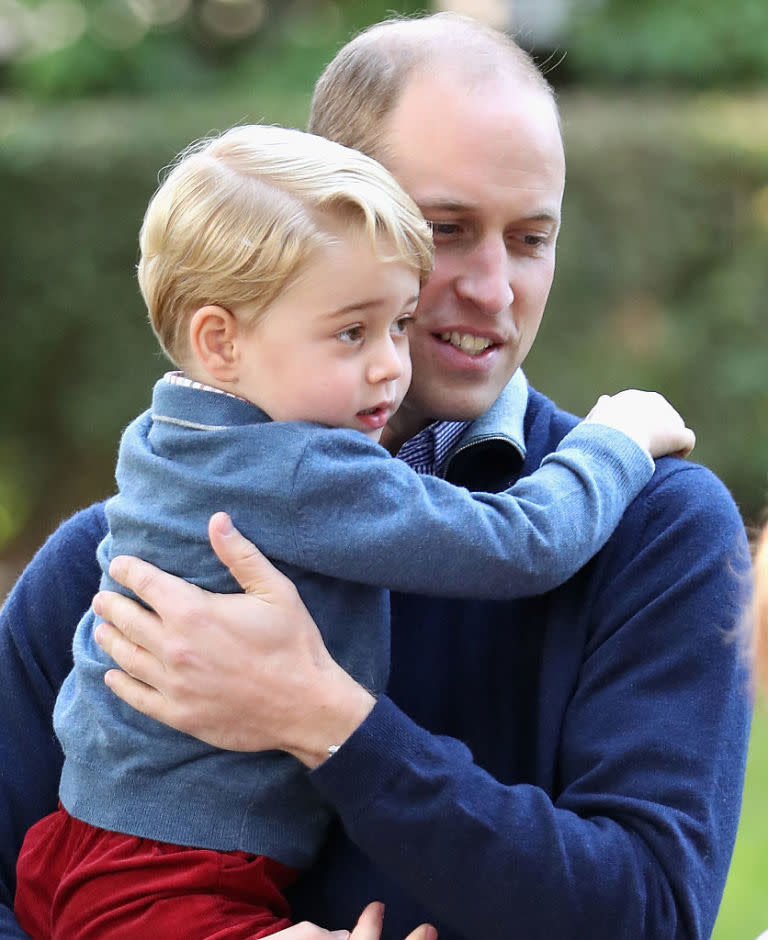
x=361, y=86
x=240, y=215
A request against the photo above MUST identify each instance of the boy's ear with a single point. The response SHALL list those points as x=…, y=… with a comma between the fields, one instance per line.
x=212, y=339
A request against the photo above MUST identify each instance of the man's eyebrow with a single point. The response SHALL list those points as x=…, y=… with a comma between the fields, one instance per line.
x=444, y=205
x=447, y=205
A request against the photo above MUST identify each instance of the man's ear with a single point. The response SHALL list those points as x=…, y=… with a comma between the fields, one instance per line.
x=212, y=338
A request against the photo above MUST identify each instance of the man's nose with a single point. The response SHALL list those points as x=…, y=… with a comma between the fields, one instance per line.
x=385, y=363
x=486, y=279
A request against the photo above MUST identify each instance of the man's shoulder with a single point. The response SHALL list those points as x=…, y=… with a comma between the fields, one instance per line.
x=83, y=528
x=546, y=424
x=679, y=490
x=683, y=491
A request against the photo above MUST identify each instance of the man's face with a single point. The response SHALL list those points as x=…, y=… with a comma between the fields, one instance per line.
x=485, y=164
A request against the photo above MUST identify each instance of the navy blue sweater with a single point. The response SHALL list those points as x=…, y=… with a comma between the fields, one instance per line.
x=568, y=765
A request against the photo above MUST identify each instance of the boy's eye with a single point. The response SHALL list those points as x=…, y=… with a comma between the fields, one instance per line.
x=351, y=334
x=400, y=325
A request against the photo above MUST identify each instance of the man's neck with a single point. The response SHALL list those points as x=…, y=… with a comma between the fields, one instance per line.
x=402, y=427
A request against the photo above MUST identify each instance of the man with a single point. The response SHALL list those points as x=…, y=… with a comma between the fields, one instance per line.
x=565, y=766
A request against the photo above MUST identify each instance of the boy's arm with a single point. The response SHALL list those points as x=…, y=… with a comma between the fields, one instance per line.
x=37, y=623
x=364, y=517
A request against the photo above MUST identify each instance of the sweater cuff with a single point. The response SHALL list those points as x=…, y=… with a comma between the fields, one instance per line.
x=383, y=747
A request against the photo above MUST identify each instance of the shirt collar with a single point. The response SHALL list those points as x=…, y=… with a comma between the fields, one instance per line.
x=504, y=420
x=428, y=450
x=434, y=446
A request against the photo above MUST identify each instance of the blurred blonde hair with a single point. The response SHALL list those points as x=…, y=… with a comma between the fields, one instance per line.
x=241, y=214
x=760, y=606
x=361, y=86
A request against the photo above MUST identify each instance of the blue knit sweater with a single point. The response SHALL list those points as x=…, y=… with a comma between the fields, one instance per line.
x=568, y=765
x=325, y=504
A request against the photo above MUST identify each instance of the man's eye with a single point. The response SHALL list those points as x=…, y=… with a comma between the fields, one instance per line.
x=444, y=229
x=351, y=334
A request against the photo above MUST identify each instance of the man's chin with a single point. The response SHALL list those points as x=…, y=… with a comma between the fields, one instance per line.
x=448, y=403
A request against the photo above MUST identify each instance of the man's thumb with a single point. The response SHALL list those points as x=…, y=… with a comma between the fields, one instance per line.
x=246, y=563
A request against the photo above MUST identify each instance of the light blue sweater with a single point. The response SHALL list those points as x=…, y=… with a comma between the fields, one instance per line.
x=326, y=505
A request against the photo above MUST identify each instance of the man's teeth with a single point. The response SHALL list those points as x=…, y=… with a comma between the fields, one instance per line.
x=467, y=342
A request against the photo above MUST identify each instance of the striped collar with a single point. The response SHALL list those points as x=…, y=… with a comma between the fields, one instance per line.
x=178, y=378
x=428, y=450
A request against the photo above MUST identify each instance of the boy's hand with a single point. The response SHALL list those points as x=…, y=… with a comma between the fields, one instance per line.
x=646, y=417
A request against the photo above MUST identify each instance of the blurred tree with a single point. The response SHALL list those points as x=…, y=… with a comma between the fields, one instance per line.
x=70, y=48
x=699, y=43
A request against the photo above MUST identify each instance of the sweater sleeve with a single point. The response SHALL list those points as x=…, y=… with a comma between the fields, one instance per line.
x=37, y=623
x=365, y=519
x=635, y=838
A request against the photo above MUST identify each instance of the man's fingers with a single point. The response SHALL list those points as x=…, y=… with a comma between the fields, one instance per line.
x=369, y=923
x=135, y=693
x=134, y=622
x=147, y=582
x=129, y=656
x=425, y=932
x=252, y=571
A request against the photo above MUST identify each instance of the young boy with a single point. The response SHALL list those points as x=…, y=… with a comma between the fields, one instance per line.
x=280, y=271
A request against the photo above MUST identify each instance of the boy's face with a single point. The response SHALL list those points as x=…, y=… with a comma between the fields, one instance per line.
x=333, y=348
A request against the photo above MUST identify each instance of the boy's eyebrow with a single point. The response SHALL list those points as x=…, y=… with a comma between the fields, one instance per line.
x=364, y=305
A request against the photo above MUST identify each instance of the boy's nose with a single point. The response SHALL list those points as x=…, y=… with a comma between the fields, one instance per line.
x=385, y=364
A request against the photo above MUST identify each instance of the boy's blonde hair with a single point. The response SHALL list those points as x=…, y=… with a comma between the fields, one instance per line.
x=240, y=215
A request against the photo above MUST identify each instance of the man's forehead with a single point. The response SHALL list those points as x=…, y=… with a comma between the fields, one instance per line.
x=440, y=105
x=455, y=149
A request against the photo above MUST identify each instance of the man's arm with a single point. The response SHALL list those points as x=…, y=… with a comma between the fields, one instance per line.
x=635, y=836
x=37, y=623
x=637, y=839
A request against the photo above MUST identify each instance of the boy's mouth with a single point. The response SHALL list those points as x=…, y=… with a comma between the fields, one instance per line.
x=375, y=418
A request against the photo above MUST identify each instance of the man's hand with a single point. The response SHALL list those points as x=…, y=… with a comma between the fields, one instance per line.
x=245, y=672
x=368, y=928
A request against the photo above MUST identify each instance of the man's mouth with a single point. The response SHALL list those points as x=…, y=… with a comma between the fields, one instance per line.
x=467, y=342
